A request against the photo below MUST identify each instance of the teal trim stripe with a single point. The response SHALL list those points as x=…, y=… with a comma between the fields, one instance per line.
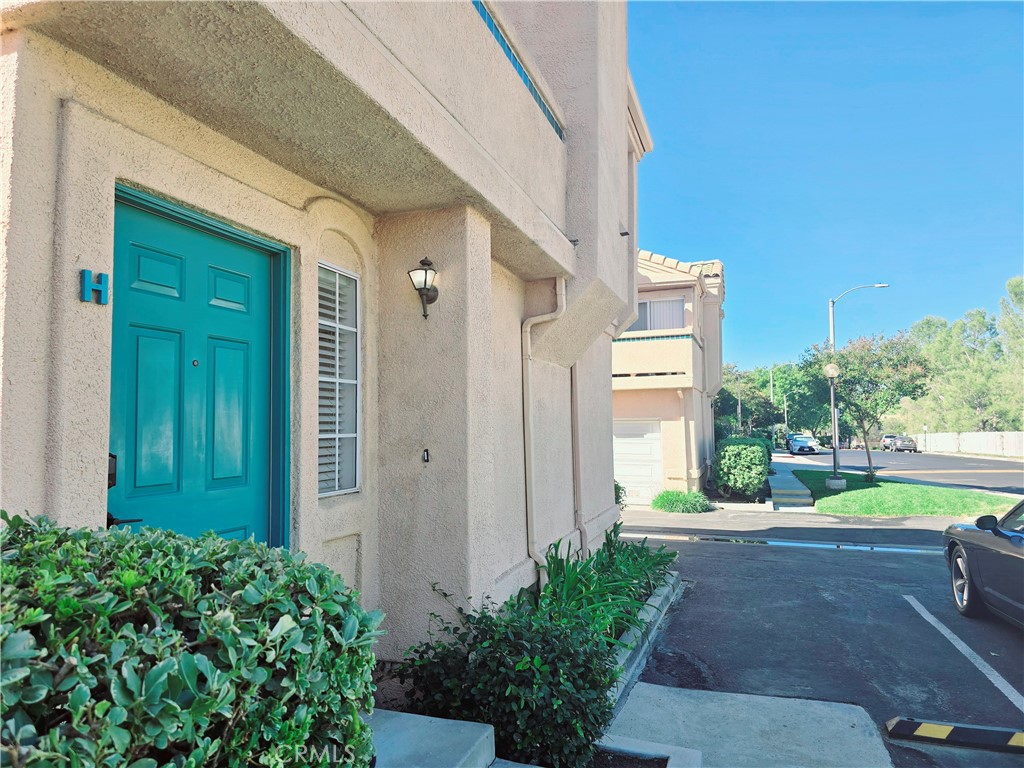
x=655, y=338
x=510, y=54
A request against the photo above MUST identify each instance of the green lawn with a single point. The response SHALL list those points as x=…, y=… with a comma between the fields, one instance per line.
x=891, y=498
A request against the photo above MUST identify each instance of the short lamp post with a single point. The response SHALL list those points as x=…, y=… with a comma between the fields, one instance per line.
x=836, y=482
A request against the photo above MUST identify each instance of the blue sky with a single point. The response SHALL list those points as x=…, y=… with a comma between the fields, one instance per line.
x=813, y=147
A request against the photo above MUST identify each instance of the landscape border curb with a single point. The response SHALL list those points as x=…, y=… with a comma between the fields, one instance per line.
x=632, y=656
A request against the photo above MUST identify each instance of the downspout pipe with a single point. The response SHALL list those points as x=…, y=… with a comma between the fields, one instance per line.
x=531, y=517
x=577, y=460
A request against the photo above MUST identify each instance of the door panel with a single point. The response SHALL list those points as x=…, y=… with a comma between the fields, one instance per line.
x=637, y=456
x=157, y=393
x=228, y=399
x=191, y=364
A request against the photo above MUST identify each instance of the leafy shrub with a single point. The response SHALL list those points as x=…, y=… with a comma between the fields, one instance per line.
x=741, y=466
x=608, y=588
x=153, y=648
x=541, y=681
x=539, y=667
x=642, y=568
x=603, y=599
x=620, y=495
x=684, y=502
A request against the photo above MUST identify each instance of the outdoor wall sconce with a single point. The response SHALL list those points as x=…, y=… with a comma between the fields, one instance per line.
x=423, y=281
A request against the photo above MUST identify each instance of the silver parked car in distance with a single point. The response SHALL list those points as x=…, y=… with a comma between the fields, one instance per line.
x=903, y=443
x=803, y=444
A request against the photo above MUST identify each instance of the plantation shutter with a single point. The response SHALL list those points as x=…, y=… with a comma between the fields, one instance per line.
x=659, y=315
x=666, y=315
x=338, y=448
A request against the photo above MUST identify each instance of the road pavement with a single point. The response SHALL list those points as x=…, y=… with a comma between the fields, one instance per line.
x=832, y=624
x=1005, y=475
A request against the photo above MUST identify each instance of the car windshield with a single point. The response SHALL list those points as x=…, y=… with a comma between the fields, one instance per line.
x=1015, y=520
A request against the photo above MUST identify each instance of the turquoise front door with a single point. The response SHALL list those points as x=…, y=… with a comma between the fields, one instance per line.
x=192, y=364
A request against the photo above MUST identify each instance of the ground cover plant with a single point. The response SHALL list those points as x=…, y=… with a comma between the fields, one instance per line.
x=892, y=498
x=741, y=466
x=682, y=502
x=539, y=666
x=152, y=648
x=620, y=495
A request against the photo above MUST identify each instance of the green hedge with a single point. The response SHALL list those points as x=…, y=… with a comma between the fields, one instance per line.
x=682, y=502
x=540, y=666
x=151, y=648
x=741, y=465
x=541, y=681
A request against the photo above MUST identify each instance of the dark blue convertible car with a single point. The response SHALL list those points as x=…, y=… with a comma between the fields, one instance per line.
x=986, y=565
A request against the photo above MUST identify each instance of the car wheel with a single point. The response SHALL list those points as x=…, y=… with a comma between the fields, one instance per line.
x=965, y=594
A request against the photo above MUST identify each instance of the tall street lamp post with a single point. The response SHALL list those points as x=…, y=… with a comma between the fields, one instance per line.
x=832, y=371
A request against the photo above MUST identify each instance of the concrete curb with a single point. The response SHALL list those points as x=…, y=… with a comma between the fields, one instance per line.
x=678, y=757
x=632, y=656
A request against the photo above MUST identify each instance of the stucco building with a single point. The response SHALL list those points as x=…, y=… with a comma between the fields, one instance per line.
x=667, y=369
x=210, y=212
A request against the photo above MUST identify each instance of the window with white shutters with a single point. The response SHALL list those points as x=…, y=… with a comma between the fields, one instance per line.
x=338, y=380
x=659, y=315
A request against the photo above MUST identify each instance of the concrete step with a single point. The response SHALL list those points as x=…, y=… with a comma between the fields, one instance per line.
x=795, y=492
x=793, y=503
x=414, y=741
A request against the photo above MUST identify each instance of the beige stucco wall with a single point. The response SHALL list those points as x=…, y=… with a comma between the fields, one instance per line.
x=504, y=539
x=596, y=502
x=574, y=44
x=340, y=131
x=76, y=131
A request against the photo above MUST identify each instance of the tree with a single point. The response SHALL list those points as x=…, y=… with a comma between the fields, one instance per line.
x=875, y=374
x=807, y=398
x=977, y=363
x=1011, y=322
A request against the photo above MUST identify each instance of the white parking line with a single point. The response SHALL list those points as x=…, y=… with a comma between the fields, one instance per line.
x=1015, y=697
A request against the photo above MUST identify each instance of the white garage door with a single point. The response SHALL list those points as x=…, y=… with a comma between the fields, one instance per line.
x=638, y=459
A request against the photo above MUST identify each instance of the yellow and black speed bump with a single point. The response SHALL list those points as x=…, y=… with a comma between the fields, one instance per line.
x=957, y=734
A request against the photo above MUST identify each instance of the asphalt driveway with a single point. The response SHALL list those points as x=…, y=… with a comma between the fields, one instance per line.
x=833, y=624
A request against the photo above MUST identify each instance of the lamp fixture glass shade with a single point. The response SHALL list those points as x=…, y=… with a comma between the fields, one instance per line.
x=831, y=371
x=423, y=281
x=423, y=277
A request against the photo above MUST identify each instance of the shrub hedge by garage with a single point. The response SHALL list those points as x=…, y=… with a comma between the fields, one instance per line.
x=152, y=648
x=741, y=466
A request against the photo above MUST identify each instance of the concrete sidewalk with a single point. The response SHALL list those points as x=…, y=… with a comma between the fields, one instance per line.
x=786, y=489
x=735, y=730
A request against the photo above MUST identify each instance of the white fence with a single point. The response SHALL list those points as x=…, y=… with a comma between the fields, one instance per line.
x=987, y=443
